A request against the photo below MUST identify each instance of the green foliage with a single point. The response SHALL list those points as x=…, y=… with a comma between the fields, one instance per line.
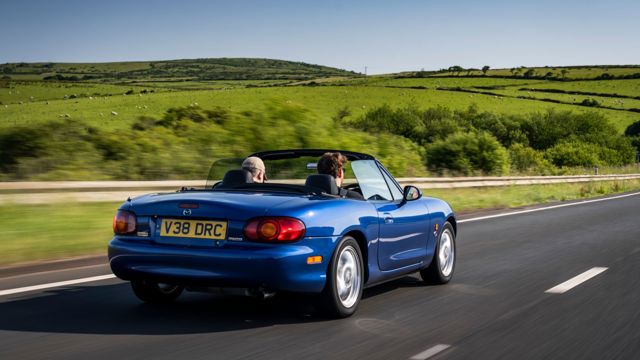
x=466, y=153
x=202, y=69
x=590, y=102
x=633, y=129
x=573, y=153
x=537, y=142
x=525, y=159
x=182, y=144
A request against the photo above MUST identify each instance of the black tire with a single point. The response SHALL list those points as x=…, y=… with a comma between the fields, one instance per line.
x=153, y=292
x=434, y=274
x=330, y=302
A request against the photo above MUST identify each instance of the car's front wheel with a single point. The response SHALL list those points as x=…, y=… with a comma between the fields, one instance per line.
x=345, y=280
x=153, y=292
x=440, y=271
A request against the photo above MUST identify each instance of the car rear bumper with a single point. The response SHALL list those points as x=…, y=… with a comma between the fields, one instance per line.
x=275, y=266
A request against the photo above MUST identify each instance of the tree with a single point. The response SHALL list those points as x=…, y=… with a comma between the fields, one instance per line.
x=529, y=73
x=564, y=73
x=456, y=69
x=485, y=69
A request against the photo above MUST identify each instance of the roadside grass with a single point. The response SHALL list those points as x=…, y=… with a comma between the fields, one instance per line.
x=504, y=197
x=55, y=231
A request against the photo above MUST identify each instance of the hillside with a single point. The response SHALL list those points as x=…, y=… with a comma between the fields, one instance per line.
x=187, y=69
x=167, y=120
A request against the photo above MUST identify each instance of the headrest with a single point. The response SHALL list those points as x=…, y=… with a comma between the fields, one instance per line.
x=236, y=177
x=324, y=182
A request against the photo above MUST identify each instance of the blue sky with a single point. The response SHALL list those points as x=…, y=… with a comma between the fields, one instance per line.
x=385, y=36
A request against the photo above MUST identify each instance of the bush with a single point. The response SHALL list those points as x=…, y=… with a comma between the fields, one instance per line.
x=573, y=153
x=465, y=153
x=633, y=129
x=590, y=102
x=526, y=159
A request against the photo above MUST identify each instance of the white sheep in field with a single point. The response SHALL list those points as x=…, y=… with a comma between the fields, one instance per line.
x=113, y=113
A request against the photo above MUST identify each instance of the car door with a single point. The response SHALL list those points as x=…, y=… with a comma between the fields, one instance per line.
x=403, y=226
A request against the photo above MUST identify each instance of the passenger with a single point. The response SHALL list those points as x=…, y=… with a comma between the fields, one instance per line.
x=333, y=164
x=255, y=166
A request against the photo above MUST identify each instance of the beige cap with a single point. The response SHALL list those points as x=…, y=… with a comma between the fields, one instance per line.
x=253, y=162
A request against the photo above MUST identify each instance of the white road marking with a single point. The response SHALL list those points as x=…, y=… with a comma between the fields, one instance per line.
x=546, y=208
x=430, y=352
x=55, y=284
x=575, y=281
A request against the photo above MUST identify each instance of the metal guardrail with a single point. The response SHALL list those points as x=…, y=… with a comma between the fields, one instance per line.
x=40, y=192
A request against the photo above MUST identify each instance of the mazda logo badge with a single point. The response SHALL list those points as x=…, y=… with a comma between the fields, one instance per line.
x=186, y=212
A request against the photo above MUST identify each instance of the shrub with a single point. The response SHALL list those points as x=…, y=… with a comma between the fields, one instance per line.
x=464, y=153
x=573, y=153
x=633, y=129
x=526, y=159
x=590, y=102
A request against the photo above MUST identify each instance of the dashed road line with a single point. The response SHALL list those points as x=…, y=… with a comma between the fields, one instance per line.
x=432, y=351
x=576, y=280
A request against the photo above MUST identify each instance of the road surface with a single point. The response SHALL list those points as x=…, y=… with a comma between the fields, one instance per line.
x=560, y=283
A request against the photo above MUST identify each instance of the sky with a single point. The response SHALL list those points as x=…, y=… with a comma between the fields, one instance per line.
x=385, y=36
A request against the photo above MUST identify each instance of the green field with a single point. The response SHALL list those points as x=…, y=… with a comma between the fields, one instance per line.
x=570, y=72
x=34, y=92
x=325, y=101
x=95, y=116
x=629, y=87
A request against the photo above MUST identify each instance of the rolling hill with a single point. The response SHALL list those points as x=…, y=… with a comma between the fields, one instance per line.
x=185, y=69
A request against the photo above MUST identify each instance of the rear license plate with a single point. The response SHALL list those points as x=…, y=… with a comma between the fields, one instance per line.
x=199, y=229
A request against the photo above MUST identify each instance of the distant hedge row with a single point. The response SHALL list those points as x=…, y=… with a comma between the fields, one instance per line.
x=470, y=141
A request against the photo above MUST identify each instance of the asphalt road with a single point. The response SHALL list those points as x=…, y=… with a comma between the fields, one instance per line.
x=496, y=307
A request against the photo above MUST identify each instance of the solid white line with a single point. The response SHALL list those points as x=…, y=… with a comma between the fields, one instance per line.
x=575, y=281
x=546, y=208
x=430, y=352
x=55, y=284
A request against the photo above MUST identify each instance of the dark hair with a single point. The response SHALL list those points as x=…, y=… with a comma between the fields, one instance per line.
x=331, y=163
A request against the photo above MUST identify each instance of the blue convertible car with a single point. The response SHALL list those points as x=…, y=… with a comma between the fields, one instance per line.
x=294, y=233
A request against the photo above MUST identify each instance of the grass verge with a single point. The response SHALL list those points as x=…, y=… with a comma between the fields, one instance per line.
x=46, y=232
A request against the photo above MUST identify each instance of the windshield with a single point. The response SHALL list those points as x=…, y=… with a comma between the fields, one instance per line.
x=292, y=171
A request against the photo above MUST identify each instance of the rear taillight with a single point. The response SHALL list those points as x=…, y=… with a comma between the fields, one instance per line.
x=274, y=229
x=124, y=222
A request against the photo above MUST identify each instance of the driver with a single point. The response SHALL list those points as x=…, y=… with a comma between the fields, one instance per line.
x=333, y=164
x=256, y=167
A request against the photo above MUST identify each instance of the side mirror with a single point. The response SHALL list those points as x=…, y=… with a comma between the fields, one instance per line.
x=411, y=193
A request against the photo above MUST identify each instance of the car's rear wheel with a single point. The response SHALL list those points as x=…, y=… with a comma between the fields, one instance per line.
x=153, y=292
x=440, y=271
x=345, y=280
